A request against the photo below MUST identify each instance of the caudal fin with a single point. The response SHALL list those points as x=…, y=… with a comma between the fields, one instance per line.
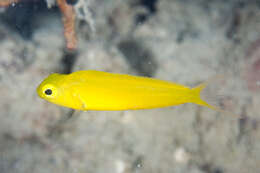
x=205, y=96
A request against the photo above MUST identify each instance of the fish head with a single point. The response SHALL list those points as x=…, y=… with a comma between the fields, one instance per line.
x=53, y=89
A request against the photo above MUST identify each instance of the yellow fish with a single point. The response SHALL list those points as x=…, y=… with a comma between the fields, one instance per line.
x=96, y=90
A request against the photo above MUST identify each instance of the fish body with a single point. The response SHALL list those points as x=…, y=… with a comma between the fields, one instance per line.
x=96, y=90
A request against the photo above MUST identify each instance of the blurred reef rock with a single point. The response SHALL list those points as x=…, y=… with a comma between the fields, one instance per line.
x=185, y=41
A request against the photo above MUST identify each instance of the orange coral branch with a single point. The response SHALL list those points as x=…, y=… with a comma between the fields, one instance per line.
x=6, y=3
x=68, y=19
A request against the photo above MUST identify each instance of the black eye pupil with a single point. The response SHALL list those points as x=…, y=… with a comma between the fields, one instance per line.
x=48, y=92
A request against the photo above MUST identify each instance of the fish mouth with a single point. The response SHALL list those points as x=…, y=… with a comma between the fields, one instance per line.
x=39, y=91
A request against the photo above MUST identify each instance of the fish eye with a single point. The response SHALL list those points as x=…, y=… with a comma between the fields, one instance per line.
x=48, y=91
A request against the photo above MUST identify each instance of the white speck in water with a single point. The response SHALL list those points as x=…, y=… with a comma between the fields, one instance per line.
x=138, y=165
x=120, y=166
x=181, y=155
x=13, y=4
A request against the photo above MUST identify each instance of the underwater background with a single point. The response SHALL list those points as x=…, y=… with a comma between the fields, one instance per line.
x=185, y=41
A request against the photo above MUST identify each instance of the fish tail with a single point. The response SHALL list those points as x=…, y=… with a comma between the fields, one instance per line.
x=205, y=97
x=197, y=99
